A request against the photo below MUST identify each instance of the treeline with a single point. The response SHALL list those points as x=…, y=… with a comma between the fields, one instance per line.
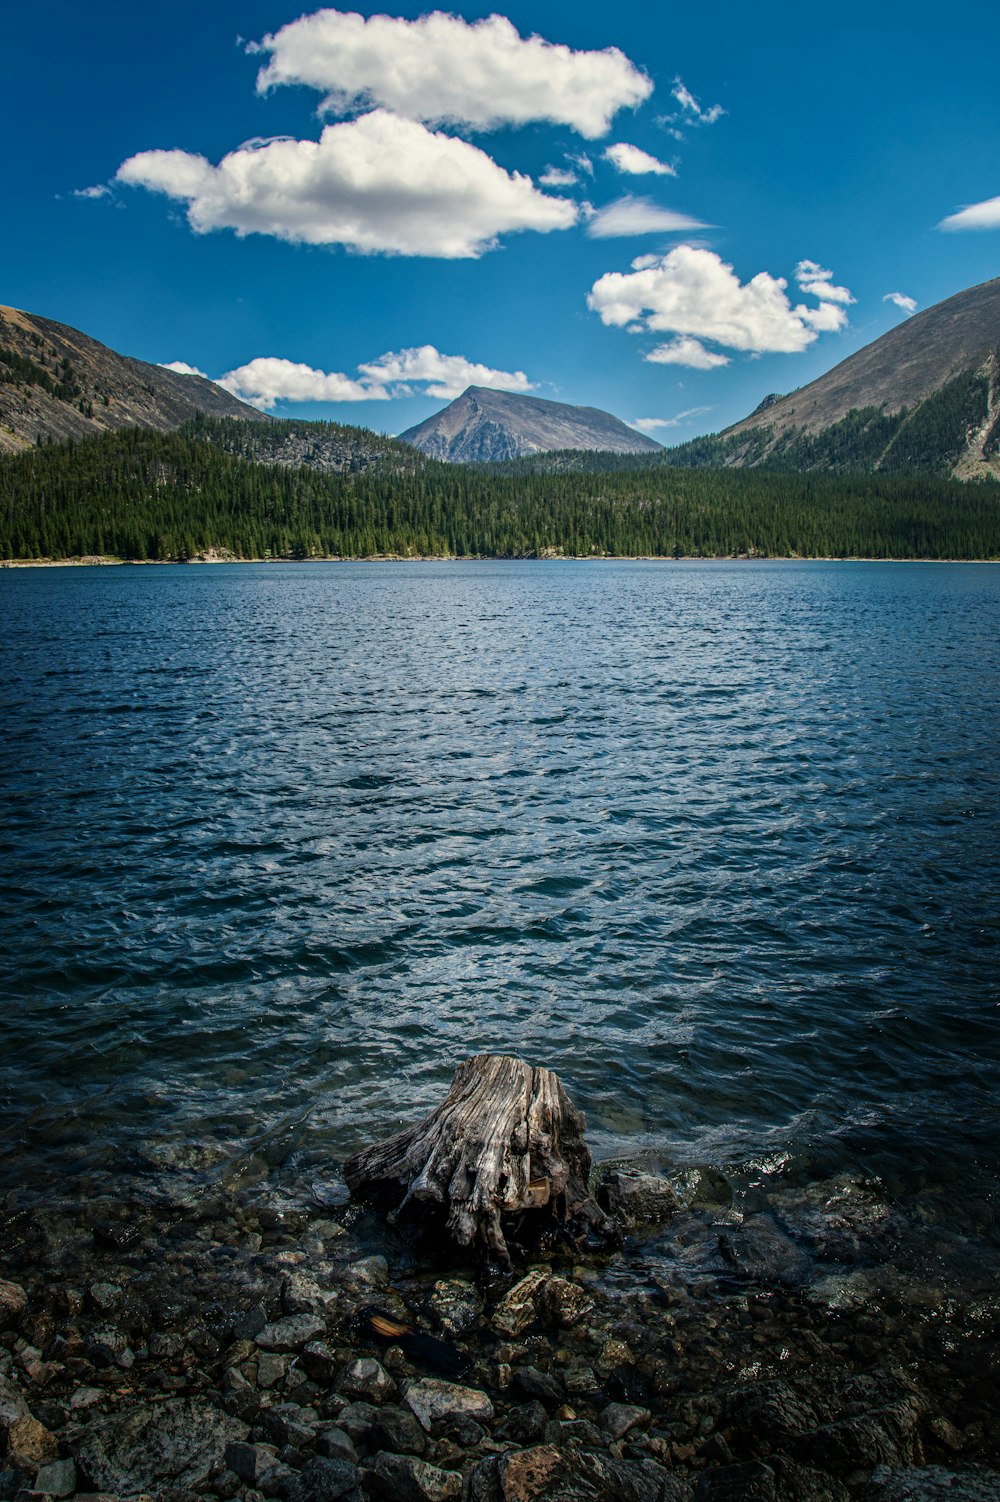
x=141, y=495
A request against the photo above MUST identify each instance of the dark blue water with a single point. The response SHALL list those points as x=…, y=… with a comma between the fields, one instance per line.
x=719, y=842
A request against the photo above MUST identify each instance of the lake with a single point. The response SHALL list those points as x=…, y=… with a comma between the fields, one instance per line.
x=717, y=841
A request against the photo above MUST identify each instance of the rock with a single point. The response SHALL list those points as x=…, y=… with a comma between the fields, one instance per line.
x=251, y=1462
x=102, y=1297
x=884, y=1436
x=517, y=1309
x=357, y=1419
x=455, y=1305
x=303, y=1295
x=764, y=1253
x=291, y=1333
x=946, y=1433
x=563, y=1304
x=545, y=1472
x=145, y=1447
x=326, y=1480
x=434, y=1401
x=318, y=1361
x=29, y=1444
x=397, y=1429
x=636, y=1198
x=336, y=1444
x=369, y=1272
x=770, y=1410
x=12, y=1405
x=529, y=1382
x=271, y=1368
x=932, y=1484
x=110, y=1347
x=57, y=1478
x=366, y=1378
x=524, y=1424
x=404, y=1478
x=619, y=1418
x=752, y=1482
x=85, y=1397
x=804, y=1484
x=702, y=1189
x=13, y=1303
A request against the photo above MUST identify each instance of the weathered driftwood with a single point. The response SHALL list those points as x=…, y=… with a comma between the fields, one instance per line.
x=507, y=1141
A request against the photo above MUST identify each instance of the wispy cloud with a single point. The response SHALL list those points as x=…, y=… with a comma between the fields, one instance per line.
x=653, y=424
x=688, y=352
x=908, y=304
x=637, y=216
x=99, y=190
x=442, y=68
x=985, y=215
x=691, y=111
x=814, y=280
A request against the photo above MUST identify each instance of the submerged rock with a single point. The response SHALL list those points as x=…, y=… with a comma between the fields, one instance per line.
x=146, y=1447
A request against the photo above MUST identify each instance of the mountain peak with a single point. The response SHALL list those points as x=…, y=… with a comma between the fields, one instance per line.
x=487, y=426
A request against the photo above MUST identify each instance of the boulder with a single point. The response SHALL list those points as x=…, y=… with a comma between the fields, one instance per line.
x=404, y=1478
x=434, y=1401
x=146, y=1447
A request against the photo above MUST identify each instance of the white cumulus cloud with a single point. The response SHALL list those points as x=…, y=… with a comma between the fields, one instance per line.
x=815, y=281
x=694, y=293
x=686, y=351
x=633, y=160
x=985, y=215
x=182, y=368
x=444, y=376
x=637, y=216
x=268, y=380
x=908, y=304
x=378, y=183
x=443, y=68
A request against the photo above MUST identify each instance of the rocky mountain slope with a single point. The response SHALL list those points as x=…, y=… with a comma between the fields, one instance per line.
x=487, y=427
x=923, y=397
x=57, y=383
x=330, y=447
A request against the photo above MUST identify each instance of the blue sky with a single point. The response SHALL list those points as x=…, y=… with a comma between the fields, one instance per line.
x=407, y=205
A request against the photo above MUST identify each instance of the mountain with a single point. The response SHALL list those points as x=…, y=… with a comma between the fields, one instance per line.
x=330, y=447
x=56, y=383
x=924, y=397
x=487, y=427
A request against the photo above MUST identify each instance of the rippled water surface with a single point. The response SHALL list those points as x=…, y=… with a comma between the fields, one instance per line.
x=281, y=844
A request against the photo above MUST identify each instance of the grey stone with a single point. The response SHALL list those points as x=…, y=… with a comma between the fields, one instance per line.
x=763, y=1252
x=291, y=1333
x=404, y=1478
x=57, y=1478
x=771, y=1410
x=563, y=1303
x=336, y=1444
x=529, y=1382
x=12, y=1405
x=524, y=1425
x=145, y=1447
x=318, y=1361
x=251, y=1462
x=271, y=1368
x=13, y=1303
x=369, y=1271
x=433, y=1400
x=619, y=1418
x=326, y=1480
x=636, y=1198
x=932, y=1484
x=884, y=1436
x=455, y=1305
x=753, y=1482
x=397, y=1429
x=518, y=1308
x=357, y=1419
x=366, y=1378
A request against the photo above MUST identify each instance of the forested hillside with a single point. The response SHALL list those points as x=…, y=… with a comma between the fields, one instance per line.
x=141, y=495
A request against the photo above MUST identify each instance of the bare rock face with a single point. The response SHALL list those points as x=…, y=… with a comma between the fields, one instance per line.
x=487, y=427
x=506, y=1141
x=57, y=383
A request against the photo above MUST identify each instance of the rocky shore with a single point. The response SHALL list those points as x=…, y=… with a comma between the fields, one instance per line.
x=212, y=1349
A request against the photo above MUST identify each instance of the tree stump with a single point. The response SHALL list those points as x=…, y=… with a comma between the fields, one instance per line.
x=506, y=1141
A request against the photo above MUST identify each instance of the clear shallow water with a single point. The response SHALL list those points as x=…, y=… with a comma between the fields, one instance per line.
x=719, y=842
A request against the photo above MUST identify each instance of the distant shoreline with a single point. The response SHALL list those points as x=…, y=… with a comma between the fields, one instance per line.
x=97, y=561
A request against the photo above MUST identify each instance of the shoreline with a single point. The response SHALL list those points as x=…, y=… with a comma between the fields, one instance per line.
x=209, y=1349
x=104, y=561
